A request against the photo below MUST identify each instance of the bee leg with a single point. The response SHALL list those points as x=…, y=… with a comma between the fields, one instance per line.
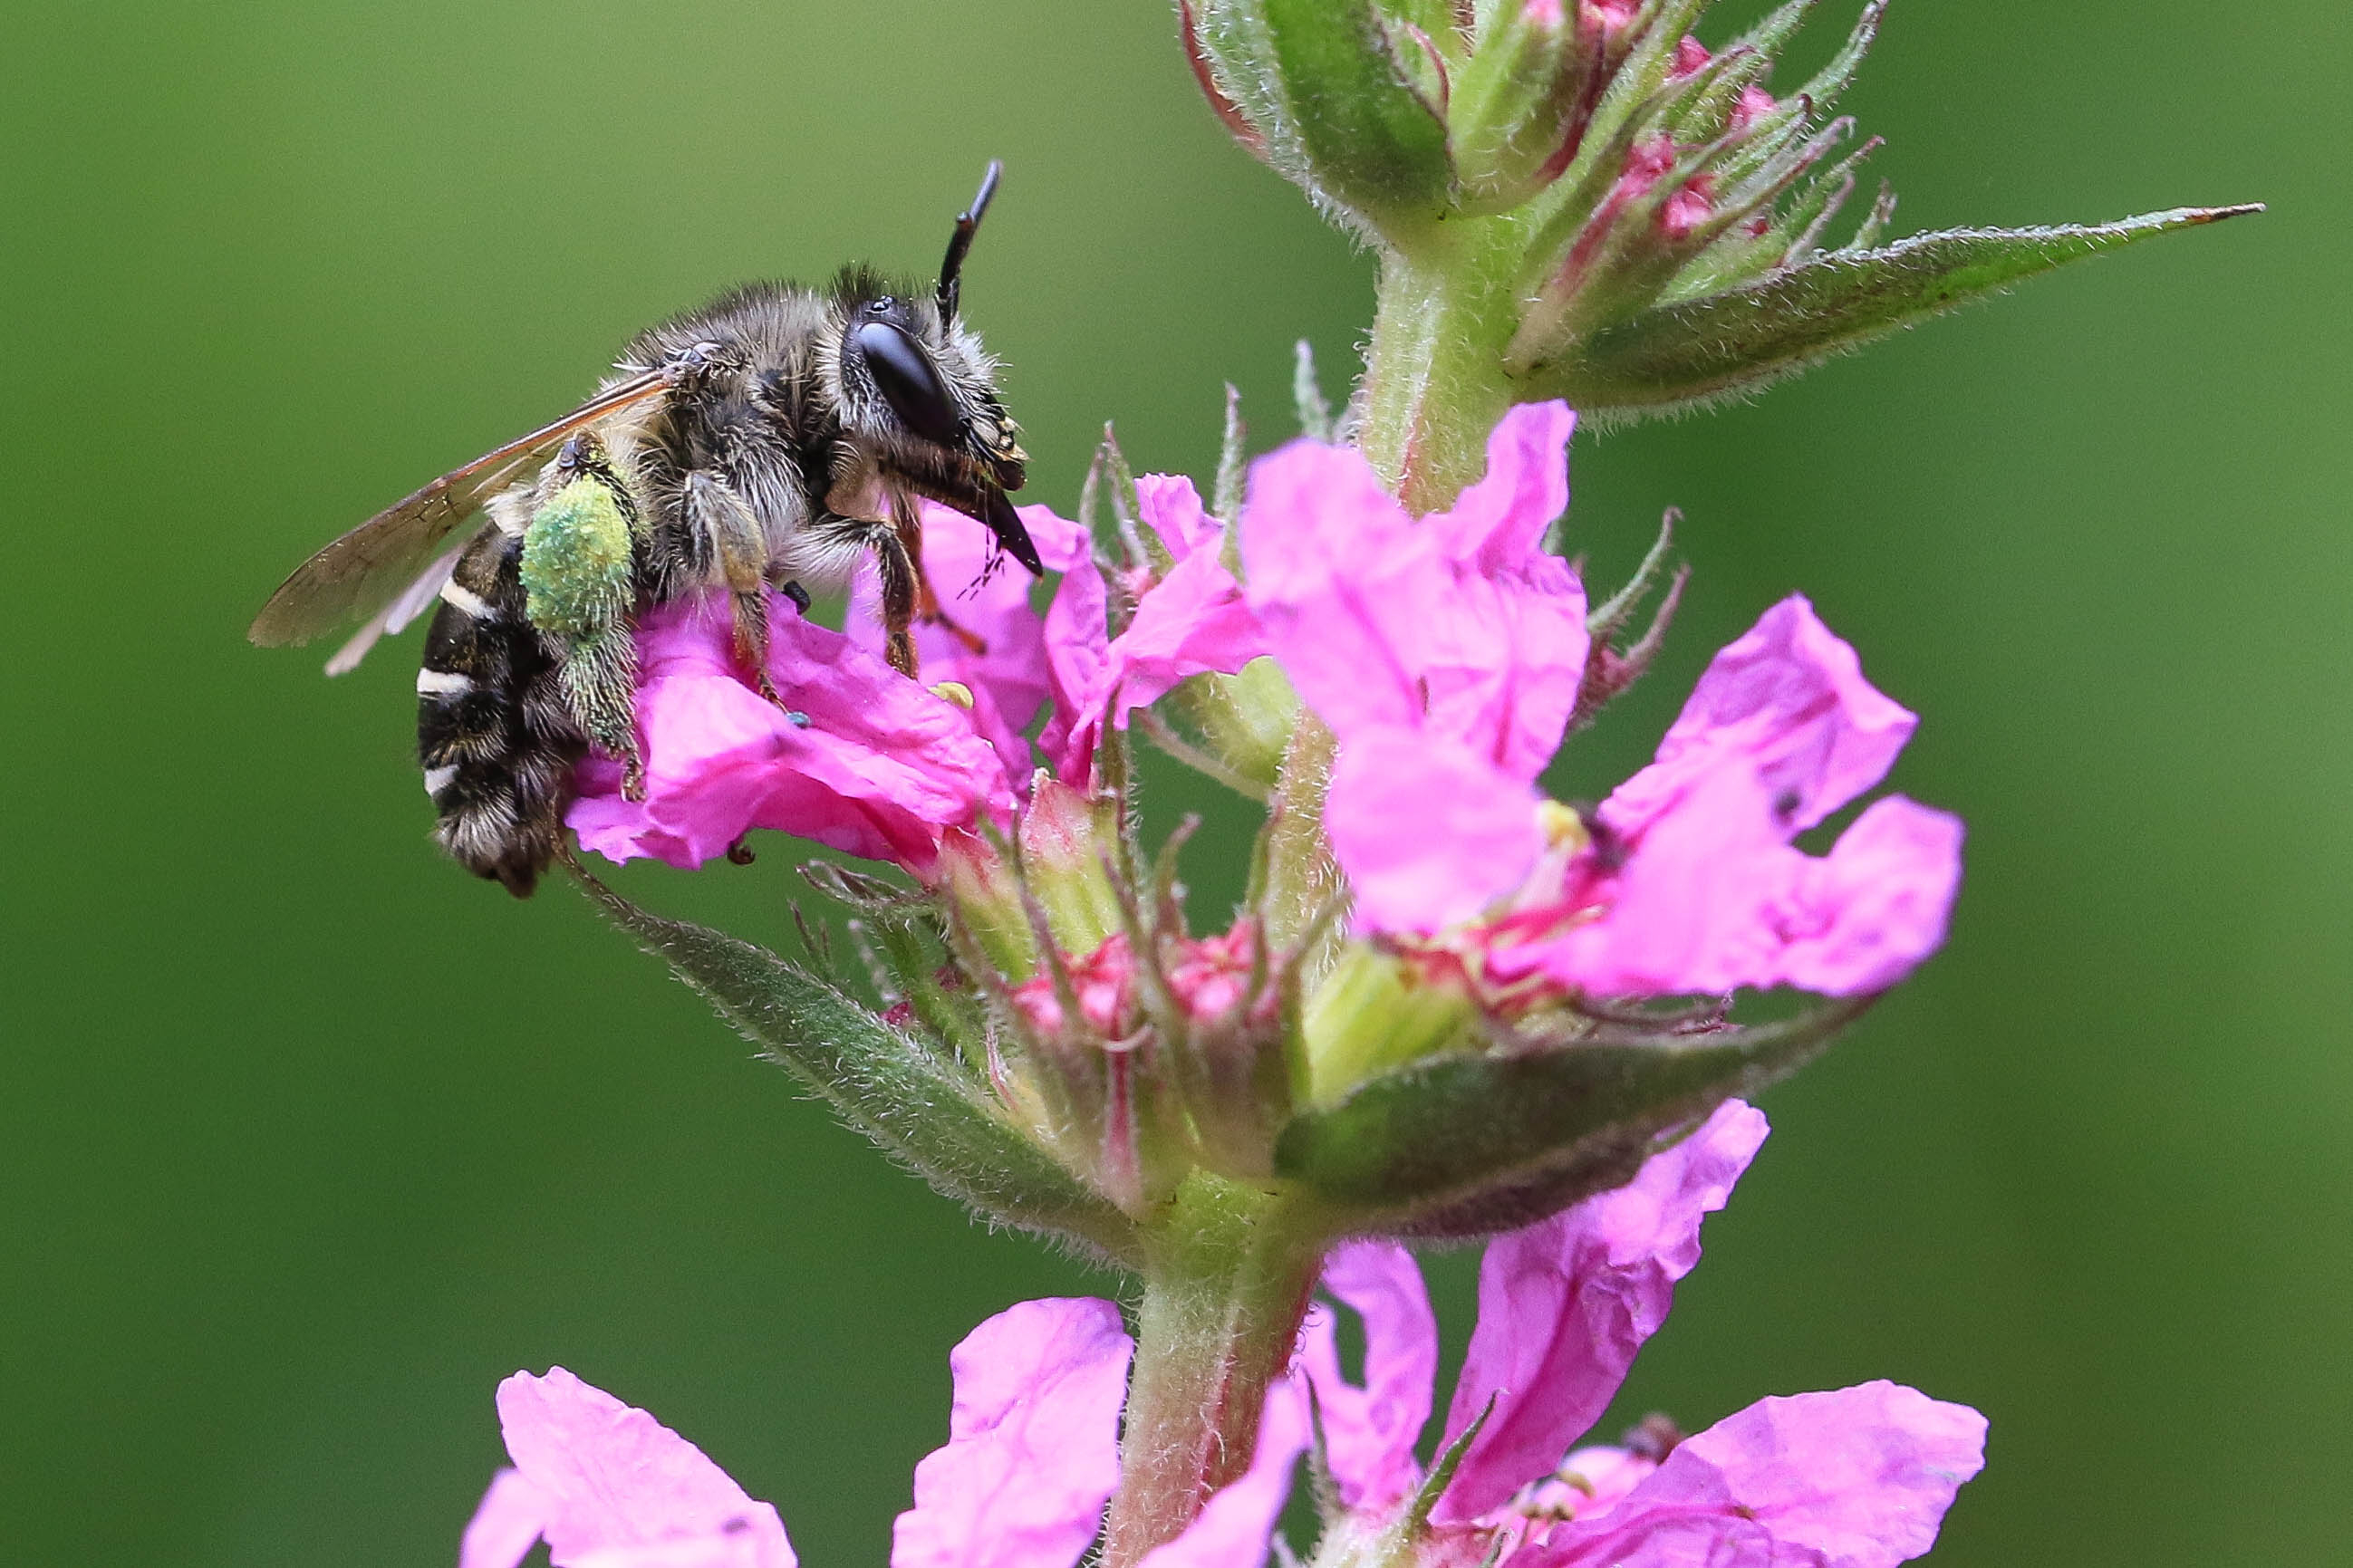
x=580, y=584
x=738, y=548
x=600, y=687
x=898, y=575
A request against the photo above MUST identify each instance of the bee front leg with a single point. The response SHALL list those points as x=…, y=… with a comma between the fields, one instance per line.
x=738, y=549
x=896, y=574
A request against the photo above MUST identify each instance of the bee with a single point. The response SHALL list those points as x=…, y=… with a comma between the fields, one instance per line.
x=774, y=438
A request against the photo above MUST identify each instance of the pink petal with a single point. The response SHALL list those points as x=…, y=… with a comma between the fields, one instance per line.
x=1370, y=1432
x=506, y=1523
x=1565, y=1304
x=1033, y=1442
x=1009, y=679
x=1236, y=1528
x=1788, y=700
x=1498, y=523
x=1864, y=917
x=1857, y=1479
x=1078, y=664
x=1429, y=833
x=880, y=770
x=1458, y=626
x=1193, y=621
x=1343, y=583
x=614, y=1480
x=1172, y=509
x=1713, y=900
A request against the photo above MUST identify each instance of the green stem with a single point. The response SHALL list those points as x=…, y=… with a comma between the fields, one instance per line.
x=1434, y=381
x=1225, y=1283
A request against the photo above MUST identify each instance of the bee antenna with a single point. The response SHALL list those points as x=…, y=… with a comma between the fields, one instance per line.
x=967, y=223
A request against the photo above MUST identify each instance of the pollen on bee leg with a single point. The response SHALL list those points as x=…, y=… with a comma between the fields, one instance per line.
x=955, y=691
x=1562, y=829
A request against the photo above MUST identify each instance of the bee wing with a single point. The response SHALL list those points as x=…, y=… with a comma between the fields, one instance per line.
x=367, y=570
x=413, y=602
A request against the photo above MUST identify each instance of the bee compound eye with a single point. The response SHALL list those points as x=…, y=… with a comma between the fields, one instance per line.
x=909, y=382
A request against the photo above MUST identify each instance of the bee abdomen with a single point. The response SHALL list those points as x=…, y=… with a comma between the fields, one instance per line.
x=496, y=740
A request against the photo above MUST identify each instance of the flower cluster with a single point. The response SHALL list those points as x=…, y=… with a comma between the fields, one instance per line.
x=1398, y=685
x=1860, y=1477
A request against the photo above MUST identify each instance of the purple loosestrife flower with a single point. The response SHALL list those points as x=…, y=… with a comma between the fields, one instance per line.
x=1447, y=654
x=1031, y=1458
x=1860, y=1477
x=866, y=761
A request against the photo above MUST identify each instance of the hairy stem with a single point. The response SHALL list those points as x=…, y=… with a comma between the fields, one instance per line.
x=1434, y=381
x=1225, y=1285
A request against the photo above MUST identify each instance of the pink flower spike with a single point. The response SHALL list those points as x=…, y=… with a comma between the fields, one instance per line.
x=1033, y=1442
x=1789, y=700
x=1236, y=1528
x=618, y=1490
x=1565, y=1304
x=1857, y=1479
x=1429, y=833
x=881, y=768
x=1369, y=1433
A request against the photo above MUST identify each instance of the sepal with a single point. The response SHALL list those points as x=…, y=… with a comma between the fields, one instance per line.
x=1478, y=1141
x=1678, y=355
x=909, y=1095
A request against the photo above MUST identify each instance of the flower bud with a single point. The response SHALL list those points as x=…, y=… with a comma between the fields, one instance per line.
x=1374, y=1012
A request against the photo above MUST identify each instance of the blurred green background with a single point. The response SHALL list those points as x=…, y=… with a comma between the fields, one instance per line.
x=306, y=1138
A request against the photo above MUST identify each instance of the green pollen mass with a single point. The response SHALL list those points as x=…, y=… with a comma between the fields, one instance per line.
x=576, y=561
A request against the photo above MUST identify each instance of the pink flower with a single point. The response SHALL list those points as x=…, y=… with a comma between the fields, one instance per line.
x=1031, y=1458
x=1190, y=621
x=866, y=762
x=1446, y=656
x=1856, y=1478
x=1707, y=893
x=1007, y=673
x=1455, y=643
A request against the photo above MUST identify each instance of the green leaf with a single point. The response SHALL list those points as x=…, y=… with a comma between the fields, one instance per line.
x=1470, y=1144
x=1697, y=350
x=1369, y=139
x=913, y=1102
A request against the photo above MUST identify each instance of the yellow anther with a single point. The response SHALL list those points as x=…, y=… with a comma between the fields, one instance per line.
x=1563, y=828
x=955, y=691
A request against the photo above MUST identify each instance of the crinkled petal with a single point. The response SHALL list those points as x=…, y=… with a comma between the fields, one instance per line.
x=1236, y=1528
x=1344, y=583
x=1172, y=509
x=1370, y=1432
x=1565, y=1304
x=1499, y=523
x=1788, y=700
x=1078, y=667
x=1193, y=621
x=618, y=1484
x=506, y=1523
x=1713, y=900
x=1033, y=1442
x=1857, y=1479
x=1503, y=660
x=881, y=768
x=1428, y=832
x=1458, y=626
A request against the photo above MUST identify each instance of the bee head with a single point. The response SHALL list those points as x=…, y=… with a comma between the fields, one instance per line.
x=913, y=377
